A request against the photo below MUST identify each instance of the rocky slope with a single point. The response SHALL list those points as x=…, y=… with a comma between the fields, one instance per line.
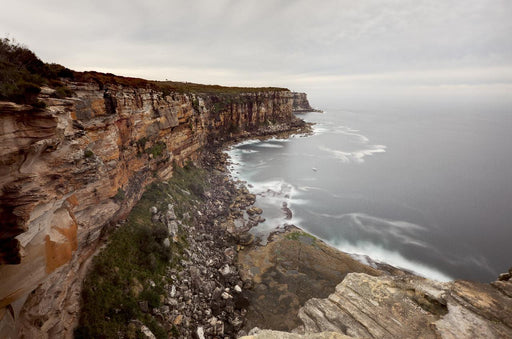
x=71, y=170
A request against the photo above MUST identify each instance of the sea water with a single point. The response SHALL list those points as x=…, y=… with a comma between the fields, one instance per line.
x=428, y=191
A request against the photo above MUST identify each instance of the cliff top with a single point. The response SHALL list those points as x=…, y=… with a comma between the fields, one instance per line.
x=22, y=74
x=168, y=86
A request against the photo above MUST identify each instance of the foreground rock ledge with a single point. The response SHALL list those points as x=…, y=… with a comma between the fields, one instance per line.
x=407, y=306
x=291, y=269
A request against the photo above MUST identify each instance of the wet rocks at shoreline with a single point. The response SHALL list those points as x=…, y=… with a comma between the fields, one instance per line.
x=205, y=295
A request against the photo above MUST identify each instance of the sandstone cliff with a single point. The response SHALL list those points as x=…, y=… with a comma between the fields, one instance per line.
x=71, y=170
x=301, y=103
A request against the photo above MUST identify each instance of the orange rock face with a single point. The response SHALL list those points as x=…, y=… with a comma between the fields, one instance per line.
x=60, y=172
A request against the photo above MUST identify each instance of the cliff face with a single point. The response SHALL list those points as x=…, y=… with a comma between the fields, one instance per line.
x=301, y=103
x=73, y=169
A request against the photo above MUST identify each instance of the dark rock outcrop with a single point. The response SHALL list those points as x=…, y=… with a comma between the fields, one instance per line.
x=301, y=104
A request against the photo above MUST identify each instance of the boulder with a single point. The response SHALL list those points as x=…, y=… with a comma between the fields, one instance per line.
x=254, y=210
x=146, y=332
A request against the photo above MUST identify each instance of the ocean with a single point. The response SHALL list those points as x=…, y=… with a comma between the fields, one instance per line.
x=425, y=190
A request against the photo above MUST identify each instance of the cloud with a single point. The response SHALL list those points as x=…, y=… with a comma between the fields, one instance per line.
x=269, y=41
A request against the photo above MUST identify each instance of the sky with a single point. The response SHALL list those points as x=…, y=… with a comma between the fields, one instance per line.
x=333, y=50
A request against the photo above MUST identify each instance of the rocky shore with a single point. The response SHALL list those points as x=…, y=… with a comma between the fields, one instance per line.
x=202, y=293
x=303, y=288
x=226, y=285
x=182, y=263
x=213, y=297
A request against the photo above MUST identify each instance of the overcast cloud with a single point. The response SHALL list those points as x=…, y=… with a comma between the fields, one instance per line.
x=317, y=46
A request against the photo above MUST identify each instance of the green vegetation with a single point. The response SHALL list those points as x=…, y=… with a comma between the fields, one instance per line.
x=301, y=236
x=195, y=104
x=157, y=149
x=167, y=87
x=88, y=153
x=120, y=195
x=22, y=74
x=62, y=92
x=130, y=270
x=189, y=87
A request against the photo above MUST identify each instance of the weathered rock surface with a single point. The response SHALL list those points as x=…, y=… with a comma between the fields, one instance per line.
x=408, y=306
x=269, y=334
x=78, y=166
x=292, y=268
x=301, y=103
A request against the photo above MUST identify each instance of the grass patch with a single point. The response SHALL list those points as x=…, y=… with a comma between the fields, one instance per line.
x=301, y=236
x=157, y=149
x=120, y=276
x=168, y=87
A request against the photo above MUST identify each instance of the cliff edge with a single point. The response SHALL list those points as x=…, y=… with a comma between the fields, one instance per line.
x=70, y=170
x=301, y=104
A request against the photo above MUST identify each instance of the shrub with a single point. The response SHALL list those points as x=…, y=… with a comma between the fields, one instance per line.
x=120, y=195
x=62, y=92
x=22, y=74
x=88, y=153
x=157, y=149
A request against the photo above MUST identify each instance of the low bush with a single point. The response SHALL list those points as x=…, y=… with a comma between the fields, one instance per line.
x=136, y=255
x=22, y=74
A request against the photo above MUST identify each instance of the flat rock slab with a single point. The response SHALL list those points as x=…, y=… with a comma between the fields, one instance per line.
x=292, y=268
x=269, y=334
x=408, y=306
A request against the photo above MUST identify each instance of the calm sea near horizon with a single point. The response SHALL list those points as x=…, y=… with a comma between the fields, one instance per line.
x=425, y=190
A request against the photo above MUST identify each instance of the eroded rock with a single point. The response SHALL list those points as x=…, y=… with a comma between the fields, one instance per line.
x=410, y=307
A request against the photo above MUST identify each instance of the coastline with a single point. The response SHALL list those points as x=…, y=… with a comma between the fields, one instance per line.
x=202, y=281
x=222, y=284
x=300, y=284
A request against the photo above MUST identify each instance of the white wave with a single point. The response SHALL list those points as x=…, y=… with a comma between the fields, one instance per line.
x=273, y=187
x=309, y=188
x=246, y=142
x=269, y=145
x=318, y=129
x=351, y=130
x=296, y=201
x=354, y=156
x=361, y=138
x=382, y=255
x=248, y=151
x=277, y=139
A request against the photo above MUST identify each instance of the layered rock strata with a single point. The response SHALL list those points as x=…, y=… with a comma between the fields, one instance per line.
x=74, y=168
x=292, y=268
x=301, y=103
x=407, y=306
